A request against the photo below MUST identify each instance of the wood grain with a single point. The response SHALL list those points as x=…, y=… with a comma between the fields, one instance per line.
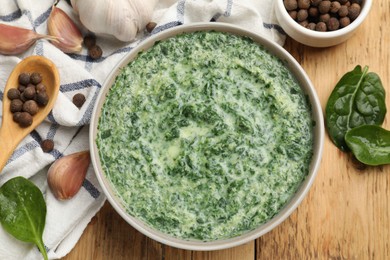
x=346, y=214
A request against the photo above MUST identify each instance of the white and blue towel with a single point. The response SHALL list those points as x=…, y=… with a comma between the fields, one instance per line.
x=67, y=125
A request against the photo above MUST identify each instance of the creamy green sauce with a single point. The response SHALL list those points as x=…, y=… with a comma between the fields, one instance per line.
x=205, y=136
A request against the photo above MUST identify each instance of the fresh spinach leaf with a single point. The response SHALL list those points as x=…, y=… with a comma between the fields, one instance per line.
x=23, y=211
x=370, y=144
x=358, y=99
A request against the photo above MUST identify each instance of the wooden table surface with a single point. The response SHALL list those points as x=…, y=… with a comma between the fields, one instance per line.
x=346, y=214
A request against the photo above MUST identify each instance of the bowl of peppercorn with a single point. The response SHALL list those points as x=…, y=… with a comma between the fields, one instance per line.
x=321, y=23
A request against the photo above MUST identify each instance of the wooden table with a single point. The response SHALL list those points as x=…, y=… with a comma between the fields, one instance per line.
x=346, y=214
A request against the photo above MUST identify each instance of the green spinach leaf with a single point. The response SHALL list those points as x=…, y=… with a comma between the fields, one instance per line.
x=370, y=144
x=23, y=211
x=358, y=99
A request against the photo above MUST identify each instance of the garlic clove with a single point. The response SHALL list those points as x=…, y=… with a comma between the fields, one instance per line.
x=61, y=26
x=66, y=175
x=15, y=40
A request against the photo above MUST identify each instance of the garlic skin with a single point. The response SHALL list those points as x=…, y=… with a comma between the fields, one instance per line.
x=66, y=175
x=122, y=19
x=62, y=27
x=15, y=40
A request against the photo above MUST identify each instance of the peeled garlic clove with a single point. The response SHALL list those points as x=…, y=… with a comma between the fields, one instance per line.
x=15, y=40
x=66, y=175
x=61, y=26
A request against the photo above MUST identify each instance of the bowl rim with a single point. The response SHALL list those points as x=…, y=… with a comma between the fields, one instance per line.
x=366, y=7
x=296, y=199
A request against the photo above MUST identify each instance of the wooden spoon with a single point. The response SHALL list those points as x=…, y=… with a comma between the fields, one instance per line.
x=11, y=134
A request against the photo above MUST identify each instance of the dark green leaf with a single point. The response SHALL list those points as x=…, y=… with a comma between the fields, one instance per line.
x=23, y=211
x=370, y=144
x=358, y=99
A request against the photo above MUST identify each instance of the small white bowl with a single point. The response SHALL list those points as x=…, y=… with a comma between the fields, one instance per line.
x=315, y=38
x=318, y=132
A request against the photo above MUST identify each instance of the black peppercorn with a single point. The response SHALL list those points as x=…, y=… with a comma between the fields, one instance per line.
x=29, y=92
x=150, y=26
x=13, y=93
x=25, y=119
x=47, y=145
x=40, y=88
x=24, y=79
x=290, y=4
x=78, y=100
x=95, y=52
x=35, y=78
x=42, y=98
x=89, y=40
x=16, y=105
x=30, y=107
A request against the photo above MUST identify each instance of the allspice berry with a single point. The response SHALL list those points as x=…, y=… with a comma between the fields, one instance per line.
x=13, y=93
x=353, y=11
x=35, y=78
x=24, y=79
x=40, y=88
x=95, y=52
x=89, y=40
x=302, y=15
x=324, y=7
x=47, y=145
x=334, y=7
x=21, y=88
x=25, y=119
x=343, y=11
x=315, y=2
x=150, y=26
x=16, y=105
x=293, y=14
x=30, y=107
x=290, y=4
x=333, y=24
x=344, y=21
x=304, y=4
x=321, y=27
x=78, y=100
x=42, y=98
x=29, y=92
x=16, y=116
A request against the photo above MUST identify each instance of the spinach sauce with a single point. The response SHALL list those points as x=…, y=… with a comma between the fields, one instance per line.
x=205, y=136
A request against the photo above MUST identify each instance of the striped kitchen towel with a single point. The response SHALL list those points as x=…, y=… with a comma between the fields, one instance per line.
x=67, y=125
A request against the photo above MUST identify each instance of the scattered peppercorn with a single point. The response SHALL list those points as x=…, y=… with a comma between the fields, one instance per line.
x=25, y=119
x=150, y=26
x=30, y=107
x=78, y=100
x=13, y=93
x=24, y=79
x=35, y=78
x=47, y=145
x=16, y=105
x=95, y=52
x=89, y=40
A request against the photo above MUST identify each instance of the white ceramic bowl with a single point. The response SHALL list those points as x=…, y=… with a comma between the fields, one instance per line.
x=315, y=38
x=307, y=87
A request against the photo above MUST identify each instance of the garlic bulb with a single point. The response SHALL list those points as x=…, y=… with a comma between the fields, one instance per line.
x=122, y=19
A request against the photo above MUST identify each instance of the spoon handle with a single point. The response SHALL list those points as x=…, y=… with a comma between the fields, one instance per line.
x=8, y=142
